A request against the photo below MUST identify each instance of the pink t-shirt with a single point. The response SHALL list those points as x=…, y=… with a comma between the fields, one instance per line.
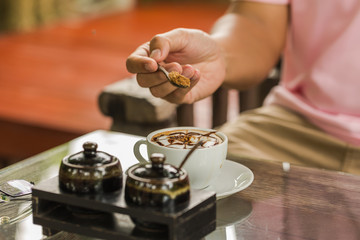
x=321, y=65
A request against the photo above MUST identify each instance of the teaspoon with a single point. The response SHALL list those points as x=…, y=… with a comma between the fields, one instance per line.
x=190, y=152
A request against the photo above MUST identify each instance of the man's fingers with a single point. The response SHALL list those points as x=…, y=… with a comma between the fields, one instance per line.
x=148, y=80
x=140, y=62
x=163, y=44
x=190, y=72
x=159, y=48
x=145, y=58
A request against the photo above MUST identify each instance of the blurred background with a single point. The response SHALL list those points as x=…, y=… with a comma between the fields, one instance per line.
x=58, y=55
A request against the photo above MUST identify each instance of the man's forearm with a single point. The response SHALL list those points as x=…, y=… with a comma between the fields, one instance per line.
x=252, y=37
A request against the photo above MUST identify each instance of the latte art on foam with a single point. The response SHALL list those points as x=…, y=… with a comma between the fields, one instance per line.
x=186, y=139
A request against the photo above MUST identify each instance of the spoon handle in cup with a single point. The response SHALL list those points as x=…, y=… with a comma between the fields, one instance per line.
x=190, y=152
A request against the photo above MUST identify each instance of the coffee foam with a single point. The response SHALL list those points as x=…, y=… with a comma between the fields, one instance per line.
x=186, y=139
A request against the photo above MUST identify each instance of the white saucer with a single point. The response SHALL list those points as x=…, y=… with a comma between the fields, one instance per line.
x=233, y=178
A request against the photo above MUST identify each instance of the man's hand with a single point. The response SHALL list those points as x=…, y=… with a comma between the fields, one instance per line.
x=190, y=52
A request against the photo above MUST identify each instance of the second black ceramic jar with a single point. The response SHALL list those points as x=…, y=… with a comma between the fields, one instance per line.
x=157, y=186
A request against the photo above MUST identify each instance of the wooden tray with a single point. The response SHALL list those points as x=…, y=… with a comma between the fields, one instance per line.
x=52, y=210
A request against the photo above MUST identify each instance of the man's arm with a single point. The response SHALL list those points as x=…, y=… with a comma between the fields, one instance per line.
x=252, y=36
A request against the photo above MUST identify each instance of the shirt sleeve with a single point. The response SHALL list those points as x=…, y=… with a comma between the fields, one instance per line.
x=270, y=1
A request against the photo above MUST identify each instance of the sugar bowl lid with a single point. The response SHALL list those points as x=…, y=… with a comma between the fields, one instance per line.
x=90, y=157
x=156, y=170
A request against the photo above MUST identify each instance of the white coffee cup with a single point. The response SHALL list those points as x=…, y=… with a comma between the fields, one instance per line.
x=204, y=164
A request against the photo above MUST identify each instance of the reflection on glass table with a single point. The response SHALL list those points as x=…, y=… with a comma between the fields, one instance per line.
x=230, y=211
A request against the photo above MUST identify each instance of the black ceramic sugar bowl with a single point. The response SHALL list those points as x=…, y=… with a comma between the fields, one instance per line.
x=158, y=186
x=90, y=171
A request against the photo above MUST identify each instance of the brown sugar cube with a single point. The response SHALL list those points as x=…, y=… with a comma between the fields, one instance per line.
x=179, y=80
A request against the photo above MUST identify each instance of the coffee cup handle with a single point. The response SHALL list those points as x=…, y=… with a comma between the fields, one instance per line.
x=137, y=153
